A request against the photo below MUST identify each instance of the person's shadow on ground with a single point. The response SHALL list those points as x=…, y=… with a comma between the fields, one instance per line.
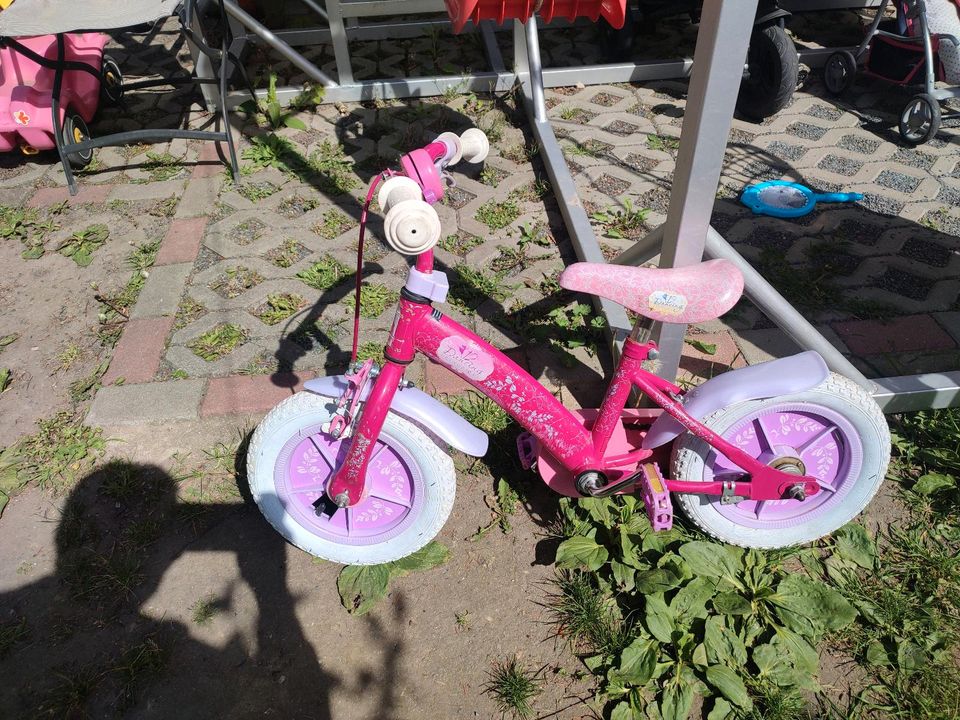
x=85, y=641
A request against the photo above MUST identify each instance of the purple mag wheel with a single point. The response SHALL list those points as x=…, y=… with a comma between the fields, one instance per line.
x=394, y=488
x=816, y=440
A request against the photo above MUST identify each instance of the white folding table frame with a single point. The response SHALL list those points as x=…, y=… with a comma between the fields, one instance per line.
x=686, y=236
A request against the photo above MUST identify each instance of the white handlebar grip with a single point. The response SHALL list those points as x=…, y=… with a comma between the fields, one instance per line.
x=411, y=227
x=397, y=189
x=452, y=140
x=475, y=145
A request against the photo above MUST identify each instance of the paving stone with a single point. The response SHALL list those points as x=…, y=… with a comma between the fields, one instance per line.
x=200, y=197
x=162, y=291
x=182, y=241
x=93, y=194
x=145, y=404
x=765, y=344
x=209, y=163
x=902, y=334
x=840, y=165
x=137, y=355
x=245, y=394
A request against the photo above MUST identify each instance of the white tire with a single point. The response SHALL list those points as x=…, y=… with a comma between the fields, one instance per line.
x=407, y=462
x=857, y=465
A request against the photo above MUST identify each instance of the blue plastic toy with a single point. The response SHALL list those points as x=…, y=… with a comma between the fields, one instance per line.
x=784, y=199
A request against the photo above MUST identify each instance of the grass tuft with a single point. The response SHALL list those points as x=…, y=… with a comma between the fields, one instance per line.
x=219, y=341
x=513, y=688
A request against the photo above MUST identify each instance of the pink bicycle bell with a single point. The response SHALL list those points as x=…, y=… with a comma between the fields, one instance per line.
x=426, y=164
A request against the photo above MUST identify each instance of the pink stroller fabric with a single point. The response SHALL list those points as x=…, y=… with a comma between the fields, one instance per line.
x=943, y=19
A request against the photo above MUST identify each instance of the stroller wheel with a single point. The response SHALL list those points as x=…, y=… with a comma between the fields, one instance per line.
x=839, y=71
x=111, y=81
x=75, y=130
x=920, y=119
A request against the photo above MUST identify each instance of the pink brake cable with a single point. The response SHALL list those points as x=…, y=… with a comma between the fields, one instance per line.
x=363, y=226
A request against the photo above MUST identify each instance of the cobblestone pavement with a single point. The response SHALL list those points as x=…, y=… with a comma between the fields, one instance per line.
x=254, y=281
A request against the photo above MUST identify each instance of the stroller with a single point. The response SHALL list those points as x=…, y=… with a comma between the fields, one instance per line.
x=920, y=46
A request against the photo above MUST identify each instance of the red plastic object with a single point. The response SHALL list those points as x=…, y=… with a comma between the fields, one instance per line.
x=462, y=11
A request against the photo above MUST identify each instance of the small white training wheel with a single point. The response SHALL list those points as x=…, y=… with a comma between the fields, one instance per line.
x=396, y=189
x=412, y=227
x=475, y=145
x=454, y=140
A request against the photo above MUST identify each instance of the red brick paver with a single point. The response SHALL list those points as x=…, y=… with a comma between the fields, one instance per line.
x=182, y=241
x=903, y=334
x=239, y=394
x=209, y=163
x=137, y=357
x=94, y=194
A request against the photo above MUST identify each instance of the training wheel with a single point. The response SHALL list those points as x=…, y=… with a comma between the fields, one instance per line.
x=475, y=145
x=412, y=227
x=397, y=189
x=453, y=140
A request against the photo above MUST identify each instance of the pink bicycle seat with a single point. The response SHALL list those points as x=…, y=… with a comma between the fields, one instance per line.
x=689, y=294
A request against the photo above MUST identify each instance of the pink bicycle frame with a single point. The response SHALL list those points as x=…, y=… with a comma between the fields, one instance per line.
x=418, y=327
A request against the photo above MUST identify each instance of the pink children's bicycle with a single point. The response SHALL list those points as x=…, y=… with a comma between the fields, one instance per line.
x=354, y=470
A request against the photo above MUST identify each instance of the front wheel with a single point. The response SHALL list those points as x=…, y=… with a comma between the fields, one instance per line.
x=75, y=130
x=410, y=482
x=834, y=432
x=920, y=119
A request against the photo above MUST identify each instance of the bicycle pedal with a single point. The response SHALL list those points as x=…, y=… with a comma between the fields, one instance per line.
x=656, y=497
x=527, y=450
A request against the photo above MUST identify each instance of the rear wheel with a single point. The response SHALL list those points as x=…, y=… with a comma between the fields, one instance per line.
x=920, y=119
x=834, y=432
x=75, y=130
x=772, y=66
x=111, y=81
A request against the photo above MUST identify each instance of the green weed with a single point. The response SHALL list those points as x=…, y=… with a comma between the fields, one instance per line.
x=203, y=610
x=188, y=311
x=625, y=222
x=235, y=281
x=27, y=226
x=162, y=166
x=374, y=299
x=289, y=253
x=218, y=342
x=327, y=168
x=81, y=245
x=297, y=205
x=470, y=288
x=280, y=306
x=362, y=586
x=115, y=307
x=325, y=274
x=513, y=688
x=371, y=351
x=333, y=224
x=459, y=244
x=497, y=215
x=122, y=480
x=257, y=191
x=588, y=148
x=11, y=633
x=83, y=388
x=269, y=110
x=664, y=143
x=700, y=616
x=55, y=456
x=161, y=208
x=481, y=411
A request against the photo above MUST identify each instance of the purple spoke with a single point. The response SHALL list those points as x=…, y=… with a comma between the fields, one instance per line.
x=390, y=499
x=828, y=430
x=320, y=447
x=347, y=519
x=307, y=490
x=758, y=510
x=765, y=444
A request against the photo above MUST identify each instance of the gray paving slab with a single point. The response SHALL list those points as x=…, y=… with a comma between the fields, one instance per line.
x=146, y=403
x=162, y=291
